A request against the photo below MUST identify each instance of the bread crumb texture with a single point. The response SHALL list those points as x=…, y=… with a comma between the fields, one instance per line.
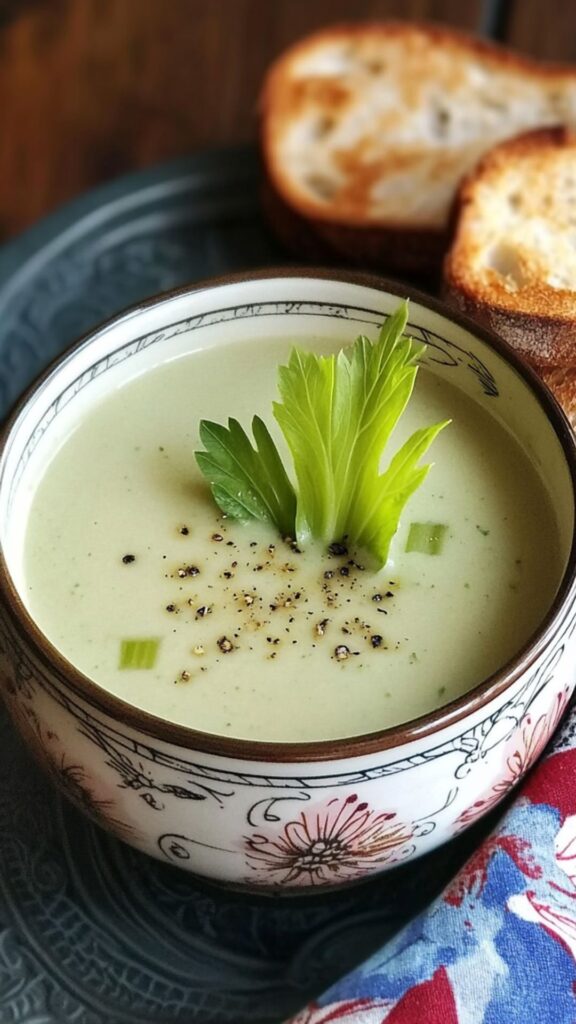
x=378, y=123
x=512, y=263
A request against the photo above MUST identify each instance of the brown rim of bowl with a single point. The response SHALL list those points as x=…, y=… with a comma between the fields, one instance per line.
x=320, y=750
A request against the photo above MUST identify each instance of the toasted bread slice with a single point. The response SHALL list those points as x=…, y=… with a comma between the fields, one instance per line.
x=367, y=130
x=512, y=264
x=562, y=382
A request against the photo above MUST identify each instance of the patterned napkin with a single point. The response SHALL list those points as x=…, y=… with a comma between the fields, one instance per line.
x=498, y=946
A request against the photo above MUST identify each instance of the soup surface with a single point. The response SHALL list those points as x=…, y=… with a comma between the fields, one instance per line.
x=246, y=635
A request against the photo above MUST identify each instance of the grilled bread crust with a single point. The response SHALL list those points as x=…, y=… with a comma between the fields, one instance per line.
x=512, y=262
x=562, y=382
x=368, y=129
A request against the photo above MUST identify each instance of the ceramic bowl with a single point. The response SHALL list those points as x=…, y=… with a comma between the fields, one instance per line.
x=283, y=817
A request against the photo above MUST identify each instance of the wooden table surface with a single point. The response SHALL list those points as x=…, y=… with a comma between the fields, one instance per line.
x=90, y=89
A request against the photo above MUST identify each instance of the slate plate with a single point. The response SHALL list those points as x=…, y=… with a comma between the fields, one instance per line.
x=92, y=932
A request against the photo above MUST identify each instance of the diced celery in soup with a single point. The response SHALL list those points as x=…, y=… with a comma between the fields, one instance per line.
x=135, y=576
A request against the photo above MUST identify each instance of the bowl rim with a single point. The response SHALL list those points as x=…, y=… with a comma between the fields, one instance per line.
x=311, y=751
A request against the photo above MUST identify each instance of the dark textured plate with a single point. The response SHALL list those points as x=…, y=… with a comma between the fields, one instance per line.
x=92, y=932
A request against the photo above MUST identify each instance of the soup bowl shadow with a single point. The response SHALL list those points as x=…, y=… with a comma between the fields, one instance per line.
x=299, y=817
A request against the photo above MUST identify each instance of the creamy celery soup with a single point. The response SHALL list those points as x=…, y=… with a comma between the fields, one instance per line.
x=136, y=577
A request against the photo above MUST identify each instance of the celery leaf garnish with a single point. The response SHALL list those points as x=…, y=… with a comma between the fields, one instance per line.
x=247, y=483
x=337, y=414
